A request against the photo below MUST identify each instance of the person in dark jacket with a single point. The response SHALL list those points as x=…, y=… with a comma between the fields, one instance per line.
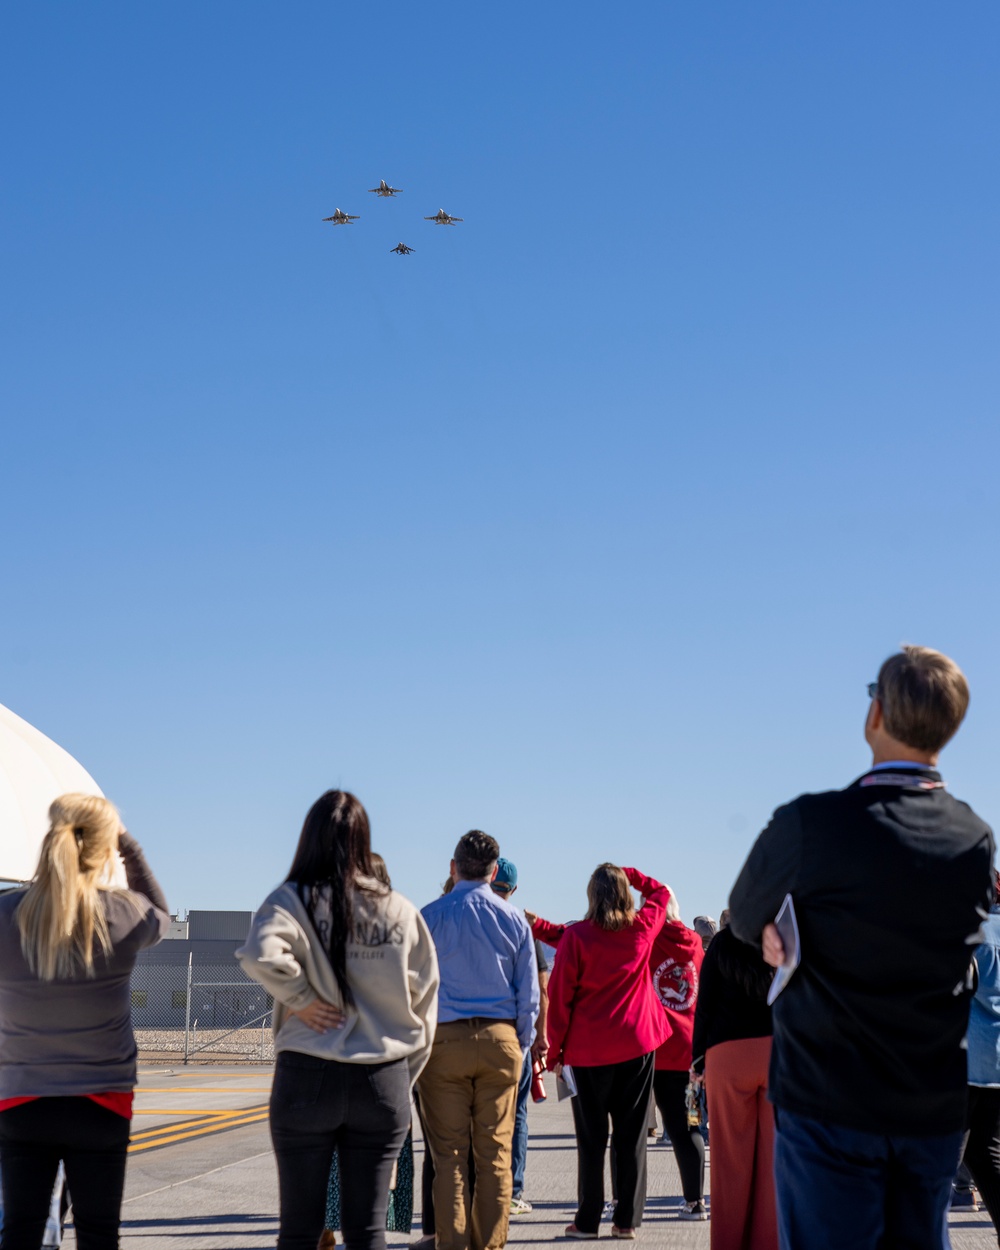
x=868, y=1068
x=732, y=1049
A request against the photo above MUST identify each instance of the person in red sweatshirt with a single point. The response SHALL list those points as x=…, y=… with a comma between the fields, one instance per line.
x=675, y=965
x=606, y=1023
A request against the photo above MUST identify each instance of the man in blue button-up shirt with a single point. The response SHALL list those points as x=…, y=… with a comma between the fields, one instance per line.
x=487, y=1007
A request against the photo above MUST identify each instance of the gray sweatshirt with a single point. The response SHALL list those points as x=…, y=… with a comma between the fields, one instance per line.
x=74, y=1036
x=392, y=970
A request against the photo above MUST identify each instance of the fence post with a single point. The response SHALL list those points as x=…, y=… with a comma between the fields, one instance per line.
x=263, y=1026
x=187, y=1010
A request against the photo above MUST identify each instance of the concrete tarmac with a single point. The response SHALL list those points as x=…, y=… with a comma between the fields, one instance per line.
x=202, y=1175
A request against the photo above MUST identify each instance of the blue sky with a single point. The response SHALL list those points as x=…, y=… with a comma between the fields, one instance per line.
x=585, y=524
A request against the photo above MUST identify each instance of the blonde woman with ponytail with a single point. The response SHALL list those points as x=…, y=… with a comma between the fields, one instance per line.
x=68, y=943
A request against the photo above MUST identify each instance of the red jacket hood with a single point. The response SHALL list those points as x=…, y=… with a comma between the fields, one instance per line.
x=678, y=940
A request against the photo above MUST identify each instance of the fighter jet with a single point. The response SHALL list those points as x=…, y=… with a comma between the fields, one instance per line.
x=383, y=188
x=402, y=249
x=341, y=219
x=442, y=218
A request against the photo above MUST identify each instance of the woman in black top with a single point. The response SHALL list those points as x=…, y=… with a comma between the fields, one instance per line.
x=732, y=1049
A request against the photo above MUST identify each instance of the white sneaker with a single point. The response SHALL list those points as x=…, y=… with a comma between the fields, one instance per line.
x=520, y=1206
x=692, y=1211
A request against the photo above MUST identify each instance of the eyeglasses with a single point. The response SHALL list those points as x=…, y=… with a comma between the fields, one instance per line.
x=873, y=690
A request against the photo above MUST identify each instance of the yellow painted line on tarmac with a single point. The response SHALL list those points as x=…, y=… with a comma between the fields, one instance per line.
x=198, y=1089
x=202, y=1117
x=185, y=1111
x=168, y=1139
x=217, y=1123
x=155, y=1142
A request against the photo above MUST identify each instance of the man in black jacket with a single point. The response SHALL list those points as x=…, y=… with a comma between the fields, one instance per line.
x=890, y=879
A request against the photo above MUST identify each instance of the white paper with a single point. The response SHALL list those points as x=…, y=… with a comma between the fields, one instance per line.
x=788, y=930
x=566, y=1083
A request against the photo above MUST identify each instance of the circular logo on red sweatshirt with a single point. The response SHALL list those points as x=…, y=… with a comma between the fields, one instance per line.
x=676, y=985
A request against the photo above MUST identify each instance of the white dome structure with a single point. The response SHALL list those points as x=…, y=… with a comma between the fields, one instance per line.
x=33, y=772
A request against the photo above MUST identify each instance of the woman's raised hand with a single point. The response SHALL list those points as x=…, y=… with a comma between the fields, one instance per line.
x=531, y=917
x=320, y=1016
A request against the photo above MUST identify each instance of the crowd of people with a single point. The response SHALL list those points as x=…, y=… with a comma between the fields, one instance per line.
x=836, y=1118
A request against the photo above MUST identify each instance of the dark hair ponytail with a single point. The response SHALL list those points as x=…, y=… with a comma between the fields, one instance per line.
x=334, y=850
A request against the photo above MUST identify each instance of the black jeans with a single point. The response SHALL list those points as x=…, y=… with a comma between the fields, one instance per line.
x=91, y=1141
x=982, y=1147
x=621, y=1091
x=669, y=1089
x=318, y=1105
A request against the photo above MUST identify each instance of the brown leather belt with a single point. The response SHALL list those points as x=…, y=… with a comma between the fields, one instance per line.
x=478, y=1021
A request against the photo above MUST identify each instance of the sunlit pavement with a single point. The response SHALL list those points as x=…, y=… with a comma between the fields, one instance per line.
x=201, y=1172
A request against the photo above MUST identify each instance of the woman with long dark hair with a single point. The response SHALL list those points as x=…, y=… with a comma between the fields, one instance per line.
x=354, y=975
x=606, y=1022
x=68, y=944
x=399, y=1216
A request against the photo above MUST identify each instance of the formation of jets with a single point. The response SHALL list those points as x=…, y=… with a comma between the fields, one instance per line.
x=440, y=218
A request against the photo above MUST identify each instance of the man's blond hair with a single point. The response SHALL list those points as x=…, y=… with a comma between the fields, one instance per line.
x=924, y=697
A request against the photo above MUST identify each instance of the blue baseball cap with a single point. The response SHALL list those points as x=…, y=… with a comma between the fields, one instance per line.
x=506, y=874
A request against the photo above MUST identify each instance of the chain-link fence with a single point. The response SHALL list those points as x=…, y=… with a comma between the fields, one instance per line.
x=203, y=1011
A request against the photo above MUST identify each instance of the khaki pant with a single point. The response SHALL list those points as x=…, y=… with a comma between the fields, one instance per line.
x=468, y=1094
